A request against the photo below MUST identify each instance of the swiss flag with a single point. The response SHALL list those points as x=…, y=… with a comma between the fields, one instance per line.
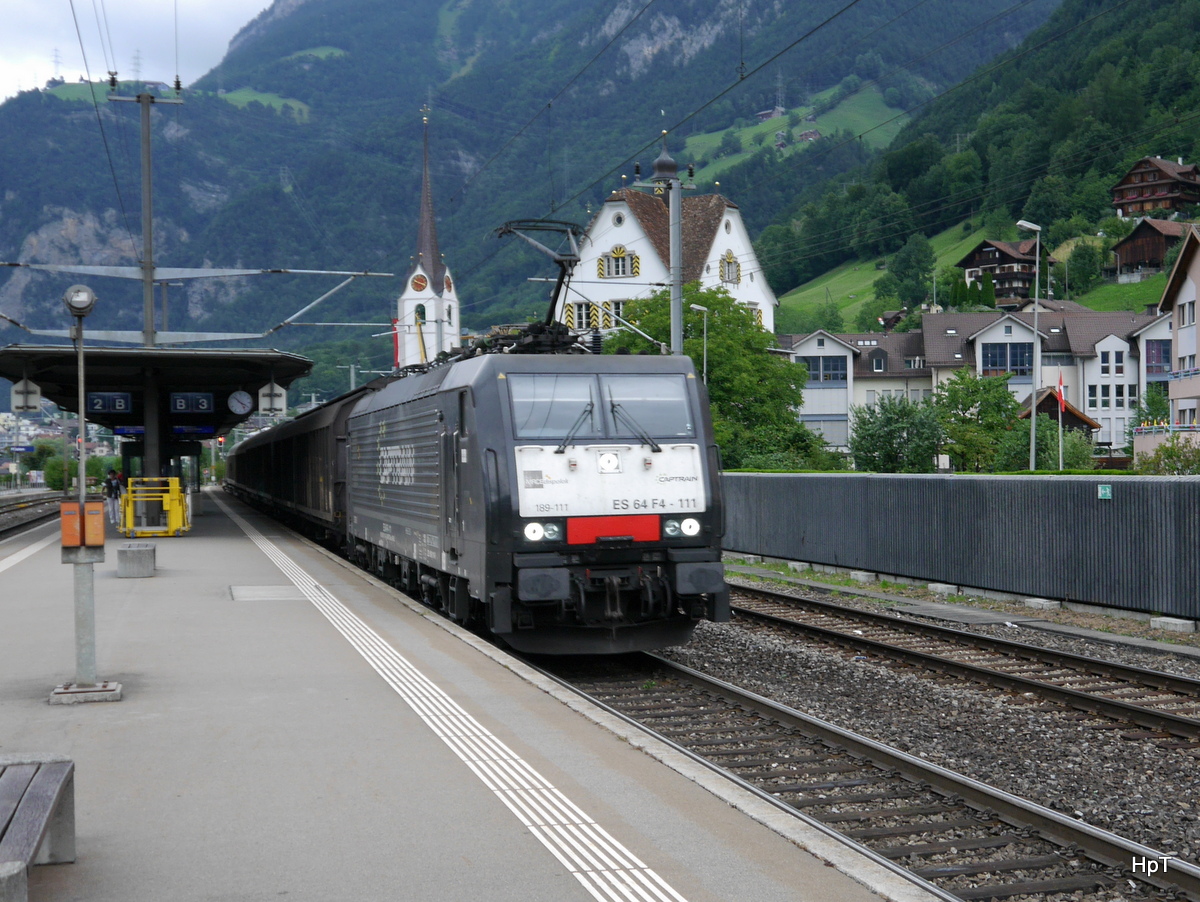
x=1062, y=401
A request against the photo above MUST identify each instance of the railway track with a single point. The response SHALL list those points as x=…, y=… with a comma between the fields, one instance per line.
x=1164, y=704
x=19, y=511
x=958, y=837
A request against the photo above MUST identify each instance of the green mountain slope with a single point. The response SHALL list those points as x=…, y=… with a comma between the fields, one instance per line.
x=302, y=149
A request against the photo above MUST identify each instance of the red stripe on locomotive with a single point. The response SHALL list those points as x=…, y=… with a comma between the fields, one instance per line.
x=586, y=530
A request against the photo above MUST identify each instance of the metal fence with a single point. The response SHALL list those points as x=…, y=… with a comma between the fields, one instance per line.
x=1129, y=542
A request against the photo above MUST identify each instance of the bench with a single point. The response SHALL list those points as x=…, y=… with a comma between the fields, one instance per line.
x=37, y=818
x=136, y=559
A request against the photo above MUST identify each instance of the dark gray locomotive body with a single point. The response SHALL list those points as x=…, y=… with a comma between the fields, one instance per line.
x=566, y=503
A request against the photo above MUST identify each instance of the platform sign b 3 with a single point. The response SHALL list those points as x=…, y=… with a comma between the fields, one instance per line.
x=26, y=397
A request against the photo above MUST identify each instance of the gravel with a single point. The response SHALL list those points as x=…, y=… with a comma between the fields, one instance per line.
x=1064, y=760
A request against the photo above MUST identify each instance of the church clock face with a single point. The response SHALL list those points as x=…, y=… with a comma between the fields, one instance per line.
x=419, y=282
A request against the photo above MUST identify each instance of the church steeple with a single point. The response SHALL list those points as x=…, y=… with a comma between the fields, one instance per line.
x=427, y=310
x=428, y=256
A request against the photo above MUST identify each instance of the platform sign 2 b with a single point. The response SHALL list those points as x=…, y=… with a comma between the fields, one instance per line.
x=191, y=402
x=109, y=402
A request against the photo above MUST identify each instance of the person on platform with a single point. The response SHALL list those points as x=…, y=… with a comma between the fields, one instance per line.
x=112, y=497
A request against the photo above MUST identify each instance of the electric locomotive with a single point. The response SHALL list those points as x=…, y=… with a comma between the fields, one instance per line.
x=566, y=503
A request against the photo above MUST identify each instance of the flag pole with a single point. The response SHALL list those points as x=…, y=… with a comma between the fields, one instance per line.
x=1062, y=402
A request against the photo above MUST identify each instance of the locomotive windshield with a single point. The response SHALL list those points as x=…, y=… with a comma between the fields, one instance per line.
x=549, y=406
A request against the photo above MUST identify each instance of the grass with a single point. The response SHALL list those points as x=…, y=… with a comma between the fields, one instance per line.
x=321, y=53
x=859, y=114
x=1135, y=296
x=849, y=286
x=243, y=97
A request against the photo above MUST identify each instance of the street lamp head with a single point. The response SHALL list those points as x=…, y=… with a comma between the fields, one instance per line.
x=1028, y=226
x=699, y=308
x=79, y=300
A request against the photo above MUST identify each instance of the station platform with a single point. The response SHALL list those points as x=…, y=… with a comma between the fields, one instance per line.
x=292, y=728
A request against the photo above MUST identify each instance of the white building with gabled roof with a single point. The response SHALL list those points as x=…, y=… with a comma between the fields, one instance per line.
x=625, y=255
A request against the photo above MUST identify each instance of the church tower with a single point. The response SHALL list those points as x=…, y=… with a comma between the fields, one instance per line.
x=427, y=311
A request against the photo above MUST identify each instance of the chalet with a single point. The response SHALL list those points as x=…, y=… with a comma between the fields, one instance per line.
x=1145, y=247
x=625, y=254
x=1156, y=184
x=1011, y=264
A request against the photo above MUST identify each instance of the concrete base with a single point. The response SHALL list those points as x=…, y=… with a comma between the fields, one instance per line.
x=1043, y=604
x=862, y=576
x=1174, y=624
x=797, y=566
x=1106, y=611
x=136, y=559
x=943, y=589
x=73, y=694
x=14, y=885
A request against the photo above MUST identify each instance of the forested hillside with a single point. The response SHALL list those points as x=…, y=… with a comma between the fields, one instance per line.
x=311, y=157
x=1042, y=133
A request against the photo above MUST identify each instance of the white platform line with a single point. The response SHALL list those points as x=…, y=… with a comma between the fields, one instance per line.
x=17, y=556
x=605, y=868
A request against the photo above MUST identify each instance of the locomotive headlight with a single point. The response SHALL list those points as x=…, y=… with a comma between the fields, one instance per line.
x=537, y=532
x=690, y=526
x=672, y=529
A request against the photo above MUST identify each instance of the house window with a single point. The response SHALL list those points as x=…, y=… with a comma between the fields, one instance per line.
x=1131, y=393
x=1158, y=355
x=1092, y=392
x=1104, y=366
x=1015, y=358
x=731, y=269
x=826, y=370
x=877, y=365
x=1119, y=396
x=820, y=342
x=1008, y=330
x=618, y=264
x=914, y=363
x=1118, y=363
x=1105, y=397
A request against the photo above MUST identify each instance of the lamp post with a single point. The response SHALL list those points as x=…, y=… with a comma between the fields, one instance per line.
x=79, y=301
x=704, y=310
x=1037, y=264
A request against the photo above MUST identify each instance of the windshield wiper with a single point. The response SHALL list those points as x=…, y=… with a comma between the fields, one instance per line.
x=579, y=421
x=619, y=414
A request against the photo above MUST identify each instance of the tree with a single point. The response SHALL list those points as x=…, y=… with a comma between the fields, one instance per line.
x=1179, y=455
x=730, y=144
x=987, y=290
x=754, y=394
x=1012, y=453
x=1153, y=407
x=895, y=436
x=1083, y=268
x=912, y=266
x=975, y=414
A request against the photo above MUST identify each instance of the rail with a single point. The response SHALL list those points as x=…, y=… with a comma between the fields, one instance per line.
x=958, y=837
x=1165, y=702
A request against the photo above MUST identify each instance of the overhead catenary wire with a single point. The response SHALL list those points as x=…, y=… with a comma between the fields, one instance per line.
x=103, y=136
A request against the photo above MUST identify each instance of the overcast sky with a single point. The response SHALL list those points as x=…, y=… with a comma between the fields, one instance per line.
x=33, y=30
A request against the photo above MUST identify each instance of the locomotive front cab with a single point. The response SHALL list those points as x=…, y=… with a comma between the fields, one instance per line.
x=617, y=522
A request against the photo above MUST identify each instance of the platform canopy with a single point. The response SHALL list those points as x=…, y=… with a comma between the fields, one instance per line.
x=193, y=389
